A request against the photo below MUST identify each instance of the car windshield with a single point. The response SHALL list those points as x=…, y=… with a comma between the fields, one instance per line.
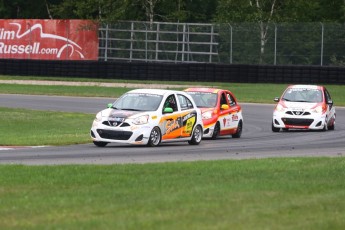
x=138, y=102
x=303, y=95
x=204, y=99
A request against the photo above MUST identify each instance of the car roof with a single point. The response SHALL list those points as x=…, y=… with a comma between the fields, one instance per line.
x=204, y=90
x=306, y=86
x=155, y=91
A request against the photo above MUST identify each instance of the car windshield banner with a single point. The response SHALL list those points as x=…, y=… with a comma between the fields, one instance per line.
x=48, y=39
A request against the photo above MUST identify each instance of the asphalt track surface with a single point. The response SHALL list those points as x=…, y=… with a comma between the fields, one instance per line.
x=257, y=141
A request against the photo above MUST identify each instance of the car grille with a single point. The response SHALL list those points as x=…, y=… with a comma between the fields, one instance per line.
x=297, y=121
x=114, y=135
x=298, y=113
x=115, y=124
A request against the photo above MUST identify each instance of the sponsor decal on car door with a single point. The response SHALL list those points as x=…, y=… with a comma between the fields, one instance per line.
x=171, y=126
x=178, y=124
x=189, y=120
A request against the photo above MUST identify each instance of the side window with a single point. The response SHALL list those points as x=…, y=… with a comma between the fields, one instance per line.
x=185, y=103
x=231, y=99
x=170, y=102
x=327, y=95
x=223, y=100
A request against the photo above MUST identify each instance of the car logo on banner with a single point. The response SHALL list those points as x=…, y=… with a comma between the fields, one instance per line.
x=48, y=39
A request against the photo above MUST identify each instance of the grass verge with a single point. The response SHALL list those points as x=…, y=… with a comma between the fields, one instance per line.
x=294, y=193
x=254, y=93
x=31, y=127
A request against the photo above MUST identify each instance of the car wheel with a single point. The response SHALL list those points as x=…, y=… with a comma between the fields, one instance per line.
x=216, y=131
x=100, y=143
x=155, y=137
x=332, y=126
x=238, y=131
x=196, y=136
x=275, y=129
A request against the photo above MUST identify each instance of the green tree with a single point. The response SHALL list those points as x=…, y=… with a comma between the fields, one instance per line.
x=192, y=11
x=138, y=10
x=261, y=11
x=33, y=9
x=103, y=10
x=312, y=11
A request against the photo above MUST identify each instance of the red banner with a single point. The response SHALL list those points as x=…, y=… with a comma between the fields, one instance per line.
x=49, y=39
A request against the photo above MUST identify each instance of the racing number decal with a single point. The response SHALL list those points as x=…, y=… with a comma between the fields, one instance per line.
x=234, y=117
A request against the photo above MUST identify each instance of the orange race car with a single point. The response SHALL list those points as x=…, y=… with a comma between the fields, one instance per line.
x=221, y=114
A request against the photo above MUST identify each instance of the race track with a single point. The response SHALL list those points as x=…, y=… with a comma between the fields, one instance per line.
x=257, y=141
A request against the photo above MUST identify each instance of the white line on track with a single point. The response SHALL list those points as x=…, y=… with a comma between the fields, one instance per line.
x=19, y=147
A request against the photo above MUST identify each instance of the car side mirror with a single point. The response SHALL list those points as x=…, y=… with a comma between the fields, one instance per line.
x=110, y=105
x=168, y=110
x=276, y=99
x=330, y=102
x=224, y=106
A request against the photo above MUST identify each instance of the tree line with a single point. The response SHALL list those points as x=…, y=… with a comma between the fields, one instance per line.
x=191, y=11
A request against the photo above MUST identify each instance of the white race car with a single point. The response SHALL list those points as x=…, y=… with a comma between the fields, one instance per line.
x=149, y=117
x=304, y=107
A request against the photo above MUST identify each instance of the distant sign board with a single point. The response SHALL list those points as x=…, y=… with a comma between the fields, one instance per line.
x=48, y=39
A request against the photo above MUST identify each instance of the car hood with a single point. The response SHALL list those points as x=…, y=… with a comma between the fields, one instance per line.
x=299, y=105
x=119, y=113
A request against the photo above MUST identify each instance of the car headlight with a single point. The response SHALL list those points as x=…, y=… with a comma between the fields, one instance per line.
x=207, y=115
x=280, y=108
x=141, y=120
x=320, y=109
x=98, y=117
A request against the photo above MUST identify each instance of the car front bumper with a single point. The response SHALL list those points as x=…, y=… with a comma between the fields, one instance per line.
x=134, y=134
x=313, y=122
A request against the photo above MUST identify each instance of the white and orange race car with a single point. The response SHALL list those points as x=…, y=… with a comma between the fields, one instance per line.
x=304, y=107
x=149, y=117
x=221, y=113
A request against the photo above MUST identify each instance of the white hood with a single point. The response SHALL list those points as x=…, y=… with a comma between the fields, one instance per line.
x=299, y=105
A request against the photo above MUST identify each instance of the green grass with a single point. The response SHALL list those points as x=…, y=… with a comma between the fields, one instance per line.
x=294, y=193
x=30, y=127
x=281, y=193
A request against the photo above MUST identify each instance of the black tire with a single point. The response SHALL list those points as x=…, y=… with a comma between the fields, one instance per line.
x=155, y=137
x=100, y=143
x=196, y=136
x=274, y=129
x=332, y=126
x=216, y=131
x=239, y=130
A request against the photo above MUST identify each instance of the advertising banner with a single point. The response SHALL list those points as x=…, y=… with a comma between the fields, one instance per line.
x=48, y=39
